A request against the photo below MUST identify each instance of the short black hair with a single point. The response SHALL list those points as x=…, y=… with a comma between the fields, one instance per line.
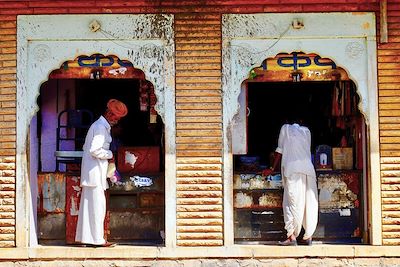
x=297, y=113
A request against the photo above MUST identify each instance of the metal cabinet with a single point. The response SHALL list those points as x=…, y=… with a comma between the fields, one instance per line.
x=137, y=212
x=258, y=215
x=51, y=207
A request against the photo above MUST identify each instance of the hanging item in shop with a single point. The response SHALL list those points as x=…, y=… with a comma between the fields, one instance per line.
x=344, y=99
x=147, y=99
x=297, y=67
x=144, y=95
x=153, y=100
x=345, y=116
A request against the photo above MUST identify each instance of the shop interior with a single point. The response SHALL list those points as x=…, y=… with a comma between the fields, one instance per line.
x=135, y=202
x=330, y=111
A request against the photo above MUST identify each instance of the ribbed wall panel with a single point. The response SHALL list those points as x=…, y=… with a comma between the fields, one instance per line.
x=389, y=116
x=199, y=130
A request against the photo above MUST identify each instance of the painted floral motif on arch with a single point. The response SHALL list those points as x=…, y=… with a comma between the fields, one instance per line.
x=296, y=67
x=97, y=66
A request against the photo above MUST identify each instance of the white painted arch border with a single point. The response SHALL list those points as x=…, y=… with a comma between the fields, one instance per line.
x=349, y=39
x=44, y=42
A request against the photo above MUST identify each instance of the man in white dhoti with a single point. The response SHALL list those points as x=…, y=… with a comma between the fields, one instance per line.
x=96, y=154
x=300, y=201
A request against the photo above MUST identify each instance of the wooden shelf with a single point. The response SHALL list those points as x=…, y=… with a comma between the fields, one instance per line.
x=134, y=192
x=339, y=171
x=259, y=190
x=158, y=208
x=258, y=208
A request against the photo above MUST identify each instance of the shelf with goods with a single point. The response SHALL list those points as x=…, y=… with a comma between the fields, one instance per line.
x=339, y=198
x=258, y=215
x=258, y=190
x=137, y=208
x=340, y=206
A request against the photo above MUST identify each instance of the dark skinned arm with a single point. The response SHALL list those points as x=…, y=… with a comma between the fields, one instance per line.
x=275, y=164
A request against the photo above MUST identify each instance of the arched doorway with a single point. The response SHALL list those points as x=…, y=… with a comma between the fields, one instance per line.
x=248, y=39
x=329, y=103
x=147, y=45
x=73, y=97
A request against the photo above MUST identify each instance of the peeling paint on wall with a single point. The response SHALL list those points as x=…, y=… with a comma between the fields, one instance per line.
x=51, y=192
x=250, y=39
x=145, y=40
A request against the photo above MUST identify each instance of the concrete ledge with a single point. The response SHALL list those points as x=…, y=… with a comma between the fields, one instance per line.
x=237, y=251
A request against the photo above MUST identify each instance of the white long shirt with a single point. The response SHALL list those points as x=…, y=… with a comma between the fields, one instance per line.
x=294, y=144
x=96, y=152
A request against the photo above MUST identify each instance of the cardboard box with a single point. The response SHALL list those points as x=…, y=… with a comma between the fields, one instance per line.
x=138, y=160
x=342, y=158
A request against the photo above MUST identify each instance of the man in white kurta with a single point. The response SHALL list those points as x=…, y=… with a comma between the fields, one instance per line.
x=300, y=201
x=96, y=153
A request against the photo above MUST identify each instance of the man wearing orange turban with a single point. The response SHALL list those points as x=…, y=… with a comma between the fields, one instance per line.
x=116, y=109
x=96, y=154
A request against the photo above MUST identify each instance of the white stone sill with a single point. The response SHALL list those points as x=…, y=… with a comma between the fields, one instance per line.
x=236, y=251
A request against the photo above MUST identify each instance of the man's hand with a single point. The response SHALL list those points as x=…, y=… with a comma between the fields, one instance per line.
x=114, y=179
x=267, y=172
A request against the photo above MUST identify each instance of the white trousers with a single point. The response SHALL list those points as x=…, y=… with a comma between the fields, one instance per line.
x=92, y=211
x=300, y=204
